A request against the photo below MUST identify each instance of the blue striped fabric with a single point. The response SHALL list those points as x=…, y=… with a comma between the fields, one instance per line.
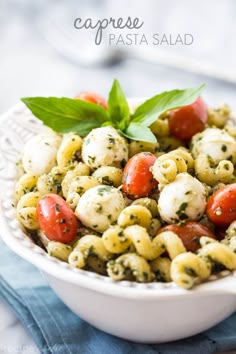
x=56, y=330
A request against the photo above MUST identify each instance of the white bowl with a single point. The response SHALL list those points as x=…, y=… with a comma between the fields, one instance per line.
x=151, y=313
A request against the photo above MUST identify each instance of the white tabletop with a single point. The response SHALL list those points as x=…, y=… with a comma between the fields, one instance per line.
x=13, y=337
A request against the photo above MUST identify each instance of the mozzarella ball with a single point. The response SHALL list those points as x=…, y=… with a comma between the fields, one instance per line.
x=184, y=198
x=216, y=143
x=104, y=147
x=40, y=152
x=99, y=207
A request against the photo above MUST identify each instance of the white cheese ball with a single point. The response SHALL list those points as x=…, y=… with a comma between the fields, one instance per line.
x=104, y=147
x=184, y=198
x=40, y=152
x=216, y=143
x=99, y=207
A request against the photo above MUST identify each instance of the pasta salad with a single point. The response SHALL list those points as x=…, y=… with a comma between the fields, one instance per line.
x=143, y=193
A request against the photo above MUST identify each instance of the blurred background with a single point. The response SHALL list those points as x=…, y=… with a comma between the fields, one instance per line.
x=41, y=53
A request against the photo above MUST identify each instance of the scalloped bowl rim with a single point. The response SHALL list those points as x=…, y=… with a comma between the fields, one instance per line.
x=14, y=236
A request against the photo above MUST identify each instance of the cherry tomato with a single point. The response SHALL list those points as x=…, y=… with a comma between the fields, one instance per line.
x=189, y=233
x=92, y=97
x=137, y=179
x=221, y=206
x=56, y=219
x=186, y=121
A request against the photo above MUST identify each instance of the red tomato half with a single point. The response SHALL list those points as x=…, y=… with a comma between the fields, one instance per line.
x=56, y=219
x=221, y=206
x=92, y=97
x=189, y=233
x=138, y=180
x=186, y=121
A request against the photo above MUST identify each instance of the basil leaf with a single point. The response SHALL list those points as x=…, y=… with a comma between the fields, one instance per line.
x=118, y=107
x=66, y=114
x=108, y=123
x=82, y=128
x=137, y=131
x=148, y=112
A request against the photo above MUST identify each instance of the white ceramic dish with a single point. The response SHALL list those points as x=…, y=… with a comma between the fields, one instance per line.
x=154, y=312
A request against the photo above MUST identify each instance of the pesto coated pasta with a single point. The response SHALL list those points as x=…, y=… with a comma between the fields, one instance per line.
x=167, y=166
x=69, y=149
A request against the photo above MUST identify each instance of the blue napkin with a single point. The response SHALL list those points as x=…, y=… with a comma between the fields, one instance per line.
x=56, y=330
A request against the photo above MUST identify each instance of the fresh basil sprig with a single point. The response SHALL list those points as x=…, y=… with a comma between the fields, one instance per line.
x=66, y=114
x=118, y=107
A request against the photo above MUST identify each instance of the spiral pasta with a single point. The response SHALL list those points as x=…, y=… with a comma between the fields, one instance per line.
x=88, y=246
x=59, y=250
x=109, y=175
x=168, y=143
x=230, y=128
x=232, y=244
x=78, y=186
x=129, y=266
x=231, y=230
x=218, y=252
x=167, y=166
x=25, y=184
x=117, y=240
x=68, y=150
x=135, y=214
x=212, y=174
x=230, y=237
x=138, y=146
x=218, y=117
x=80, y=169
x=188, y=267
x=161, y=268
x=149, y=203
x=154, y=227
x=161, y=126
x=26, y=210
x=51, y=182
